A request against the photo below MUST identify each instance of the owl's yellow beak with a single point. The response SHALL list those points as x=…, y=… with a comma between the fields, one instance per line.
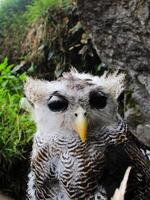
x=81, y=123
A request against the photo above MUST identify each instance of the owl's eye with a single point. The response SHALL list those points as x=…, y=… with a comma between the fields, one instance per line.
x=57, y=103
x=97, y=100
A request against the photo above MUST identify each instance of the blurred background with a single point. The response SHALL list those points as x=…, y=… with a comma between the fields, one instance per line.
x=41, y=38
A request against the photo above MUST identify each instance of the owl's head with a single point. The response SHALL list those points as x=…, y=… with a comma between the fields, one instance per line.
x=75, y=103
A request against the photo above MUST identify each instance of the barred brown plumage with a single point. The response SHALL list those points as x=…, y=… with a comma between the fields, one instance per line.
x=78, y=128
x=75, y=171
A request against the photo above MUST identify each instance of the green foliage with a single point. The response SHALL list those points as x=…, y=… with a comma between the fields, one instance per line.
x=38, y=7
x=12, y=27
x=11, y=12
x=15, y=128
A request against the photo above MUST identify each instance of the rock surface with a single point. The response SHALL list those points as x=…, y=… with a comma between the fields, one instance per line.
x=120, y=31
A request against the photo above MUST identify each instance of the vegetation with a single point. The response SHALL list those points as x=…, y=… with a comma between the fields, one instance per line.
x=15, y=18
x=38, y=7
x=12, y=23
x=16, y=132
x=15, y=128
x=10, y=10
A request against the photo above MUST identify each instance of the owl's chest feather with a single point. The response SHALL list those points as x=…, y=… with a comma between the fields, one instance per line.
x=79, y=168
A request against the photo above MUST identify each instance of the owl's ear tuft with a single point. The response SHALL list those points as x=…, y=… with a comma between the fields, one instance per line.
x=113, y=83
x=35, y=89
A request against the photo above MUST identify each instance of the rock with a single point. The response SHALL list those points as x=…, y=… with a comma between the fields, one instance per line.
x=143, y=132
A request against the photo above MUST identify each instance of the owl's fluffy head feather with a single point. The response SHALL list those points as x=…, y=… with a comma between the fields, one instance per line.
x=112, y=83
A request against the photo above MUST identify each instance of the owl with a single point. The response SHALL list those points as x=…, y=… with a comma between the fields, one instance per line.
x=77, y=122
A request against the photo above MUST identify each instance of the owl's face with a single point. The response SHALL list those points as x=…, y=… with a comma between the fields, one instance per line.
x=75, y=103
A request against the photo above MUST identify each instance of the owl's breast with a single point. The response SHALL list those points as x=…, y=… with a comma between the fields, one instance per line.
x=79, y=170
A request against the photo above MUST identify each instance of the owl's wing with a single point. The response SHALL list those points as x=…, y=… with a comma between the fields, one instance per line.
x=128, y=152
x=140, y=145
x=138, y=153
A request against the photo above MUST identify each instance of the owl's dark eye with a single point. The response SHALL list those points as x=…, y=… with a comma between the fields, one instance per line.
x=57, y=103
x=97, y=100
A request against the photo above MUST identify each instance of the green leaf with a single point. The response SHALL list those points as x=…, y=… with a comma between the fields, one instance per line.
x=16, y=128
